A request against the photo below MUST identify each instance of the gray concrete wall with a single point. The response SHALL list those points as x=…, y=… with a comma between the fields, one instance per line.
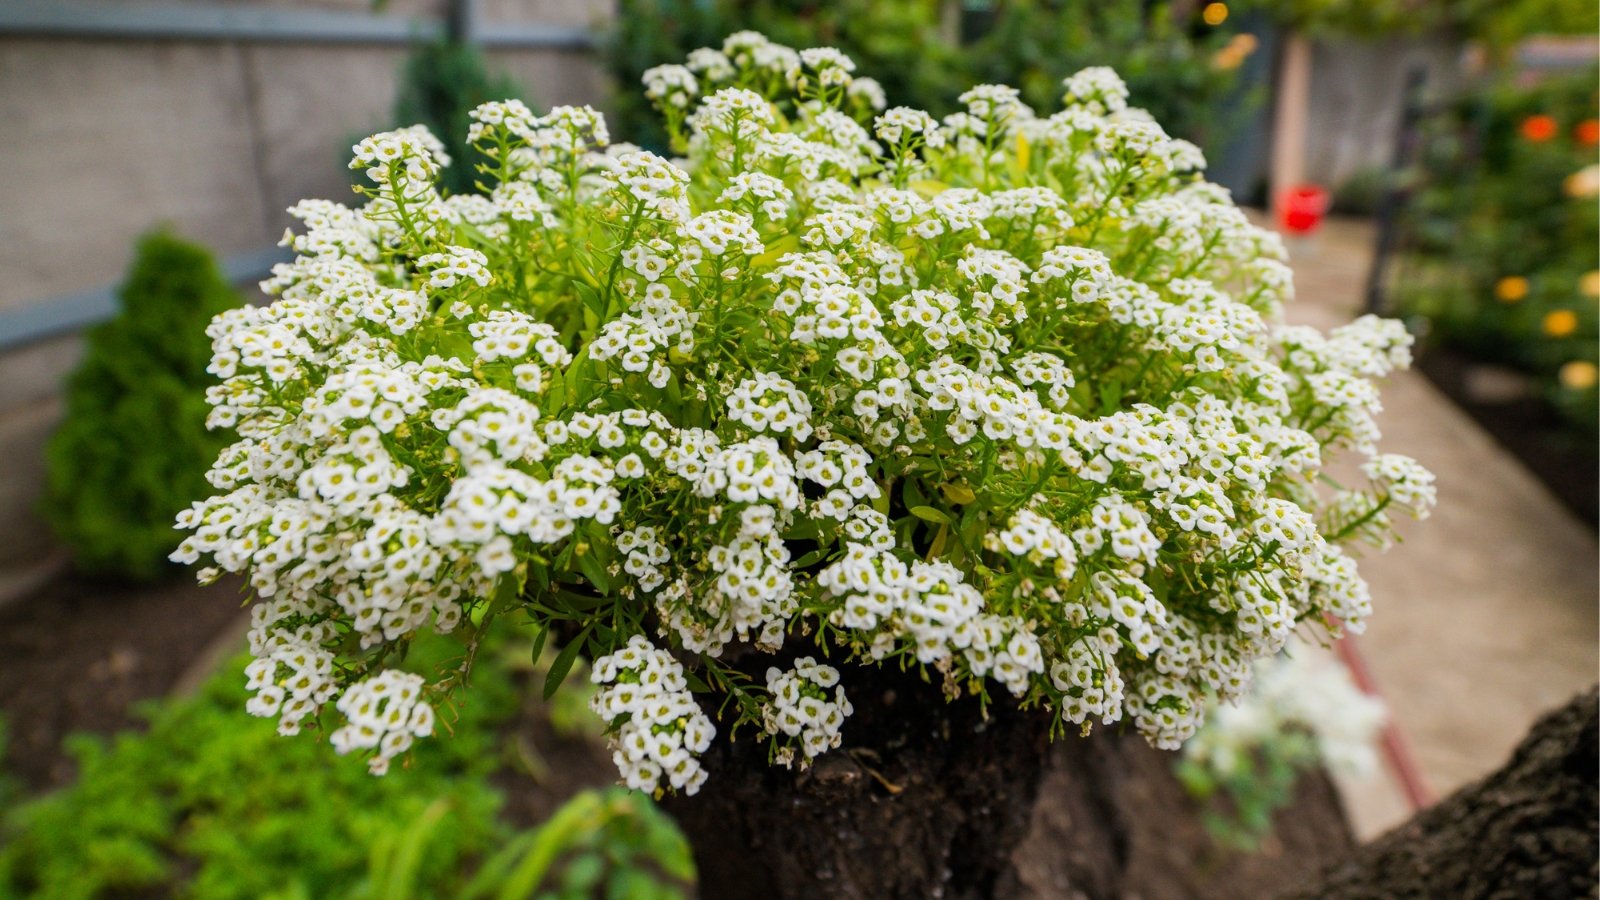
x=102, y=140
x=1357, y=95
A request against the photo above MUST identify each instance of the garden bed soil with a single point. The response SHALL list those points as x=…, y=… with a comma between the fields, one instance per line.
x=1504, y=404
x=78, y=655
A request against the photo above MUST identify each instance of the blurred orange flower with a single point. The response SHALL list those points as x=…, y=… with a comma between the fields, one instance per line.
x=1511, y=288
x=1232, y=55
x=1587, y=132
x=1560, y=323
x=1539, y=128
x=1579, y=375
x=1589, y=283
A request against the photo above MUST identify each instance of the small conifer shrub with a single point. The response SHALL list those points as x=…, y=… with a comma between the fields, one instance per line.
x=133, y=446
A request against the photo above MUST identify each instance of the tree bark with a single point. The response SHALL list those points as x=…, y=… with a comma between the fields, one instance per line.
x=936, y=799
x=1528, y=830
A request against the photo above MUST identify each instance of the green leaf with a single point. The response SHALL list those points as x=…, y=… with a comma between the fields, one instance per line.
x=400, y=879
x=594, y=569
x=930, y=514
x=593, y=300
x=539, y=640
x=506, y=592
x=579, y=817
x=1111, y=395
x=913, y=494
x=810, y=559
x=959, y=494
x=563, y=663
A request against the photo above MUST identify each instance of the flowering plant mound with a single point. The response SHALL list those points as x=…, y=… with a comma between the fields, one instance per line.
x=998, y=396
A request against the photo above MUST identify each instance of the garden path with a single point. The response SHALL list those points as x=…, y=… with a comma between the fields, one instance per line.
x=1487, y=615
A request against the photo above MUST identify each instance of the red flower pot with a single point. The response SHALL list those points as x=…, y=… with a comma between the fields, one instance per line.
x=1301, y=208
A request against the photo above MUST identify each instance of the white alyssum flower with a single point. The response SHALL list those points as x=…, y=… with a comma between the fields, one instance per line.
x=1006, y=396
x=1299, y=690
x=659, y=729
x=807, y=709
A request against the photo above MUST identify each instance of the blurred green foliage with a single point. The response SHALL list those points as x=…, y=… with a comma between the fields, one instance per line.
x=211, y=803
x=1498, y=23
x=132, y=449
x=440, y=84
x=1174, y=64
x=1237, y=805
x=1504, y=233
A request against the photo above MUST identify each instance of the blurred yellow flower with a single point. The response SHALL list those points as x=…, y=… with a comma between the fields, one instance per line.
x=1238, y=48
x=1560, y=323
x=1583, y=183
x=1590, y=283
x=1579, y=375
x=1215, y=13
x=1511, y=288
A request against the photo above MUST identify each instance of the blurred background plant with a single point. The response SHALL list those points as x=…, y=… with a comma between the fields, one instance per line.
x=1495, y=23
x=1303, y=712
x=926, y=52
x=207, y=803
x=133, y=447
x=1502, y=234
x=440, y=84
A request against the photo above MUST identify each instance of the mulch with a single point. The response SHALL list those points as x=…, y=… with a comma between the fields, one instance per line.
x=77, y=655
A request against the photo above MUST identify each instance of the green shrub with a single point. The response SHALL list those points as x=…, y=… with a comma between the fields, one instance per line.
x=1503, y=232
x=439, y=85
x=133, y=447
x=1172, y=64
x=210, y=804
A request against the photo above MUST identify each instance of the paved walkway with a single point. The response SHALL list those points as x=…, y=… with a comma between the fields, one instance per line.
x=1486, y=614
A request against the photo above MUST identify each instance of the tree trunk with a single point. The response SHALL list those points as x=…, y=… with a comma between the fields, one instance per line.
x=936, y=799
x=1528, y=830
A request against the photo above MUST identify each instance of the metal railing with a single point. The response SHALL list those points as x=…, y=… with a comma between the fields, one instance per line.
x=213, y=22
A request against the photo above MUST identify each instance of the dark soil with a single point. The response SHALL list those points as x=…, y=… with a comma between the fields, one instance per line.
x=932, y=799
x=927, y=801
x=1528, y=830
x=545, y=766
x=77, y=655
x=1111, y=821
x=1525, y=424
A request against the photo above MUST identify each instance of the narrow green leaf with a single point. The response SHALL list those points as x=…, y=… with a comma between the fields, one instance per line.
x=563, y=663
x=930, y=514
x=539, y=640
x=595, y=570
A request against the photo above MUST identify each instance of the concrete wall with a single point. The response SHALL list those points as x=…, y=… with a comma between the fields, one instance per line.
x=102, y=140
x=1357, y=95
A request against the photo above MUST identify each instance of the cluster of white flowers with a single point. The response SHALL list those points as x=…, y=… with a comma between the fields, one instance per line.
x=659, y=730
x=801, y=709
x=383, y=714
x=1004, y=395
